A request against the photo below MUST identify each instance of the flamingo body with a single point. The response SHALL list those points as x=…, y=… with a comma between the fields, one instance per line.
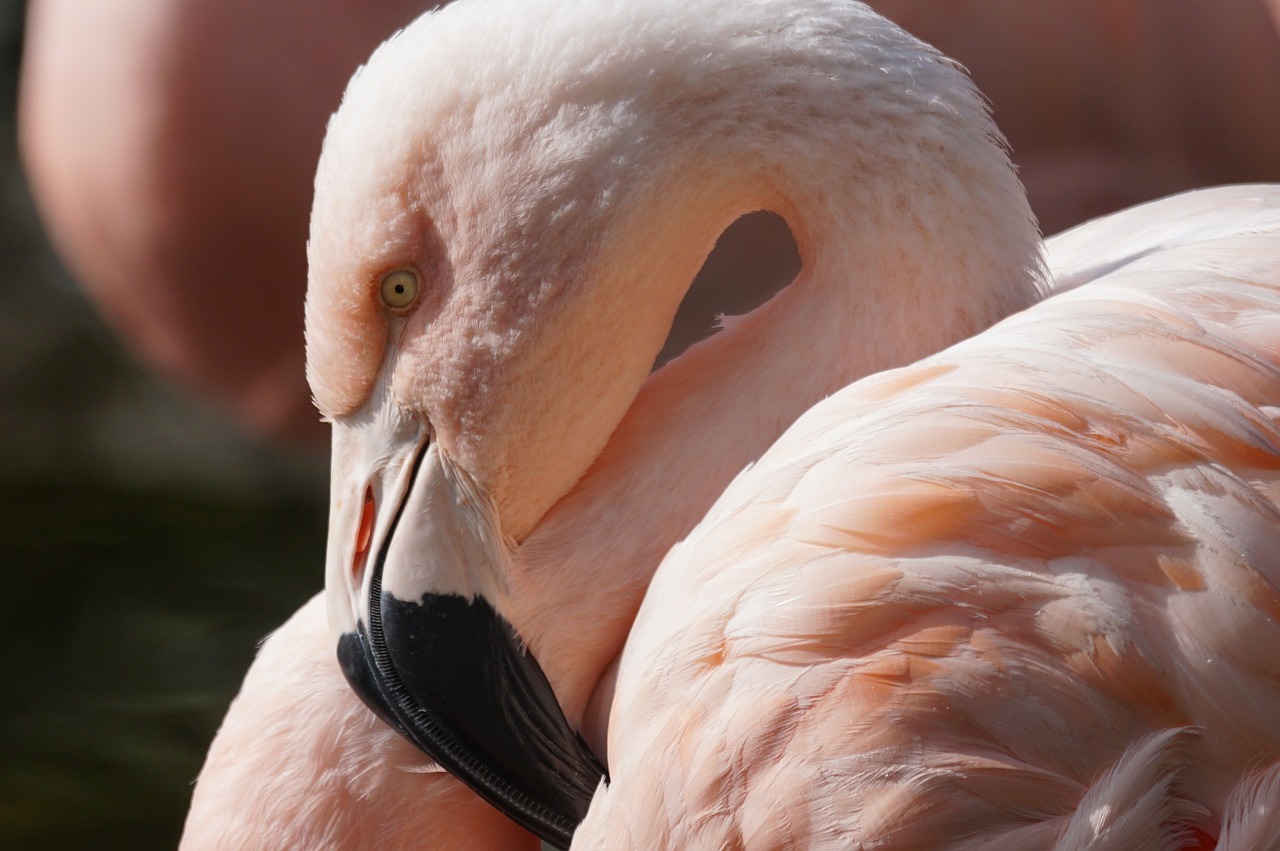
x=954, y=595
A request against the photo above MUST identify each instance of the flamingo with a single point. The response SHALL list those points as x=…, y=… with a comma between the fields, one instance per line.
x=489, y=285
x=498, y=248
x=170, y=146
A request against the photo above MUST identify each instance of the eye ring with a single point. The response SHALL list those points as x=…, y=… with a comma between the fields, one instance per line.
x=399, y=289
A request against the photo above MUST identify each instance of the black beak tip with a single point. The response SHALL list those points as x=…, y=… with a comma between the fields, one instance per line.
x=451, y=676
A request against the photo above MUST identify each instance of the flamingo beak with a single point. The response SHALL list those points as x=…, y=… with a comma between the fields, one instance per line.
x=413, y=576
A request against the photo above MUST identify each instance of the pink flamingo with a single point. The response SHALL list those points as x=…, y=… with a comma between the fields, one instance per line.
x=495, y=259
x=170, y=146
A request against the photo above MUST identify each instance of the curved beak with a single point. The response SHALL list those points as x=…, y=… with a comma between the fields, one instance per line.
x=415, y=578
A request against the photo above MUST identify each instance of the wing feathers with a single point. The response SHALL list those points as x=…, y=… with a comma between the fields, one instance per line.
x=1138, y=805
x=1251, y=816
x=981, y=601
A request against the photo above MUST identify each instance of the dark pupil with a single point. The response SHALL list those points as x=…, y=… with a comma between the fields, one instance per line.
x=399, y=289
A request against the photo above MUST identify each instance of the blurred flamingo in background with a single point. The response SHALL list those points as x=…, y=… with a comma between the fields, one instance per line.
x=1042, y=555
x=170, y=146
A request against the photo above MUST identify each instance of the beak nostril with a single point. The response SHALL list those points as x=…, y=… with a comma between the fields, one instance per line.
x=363, y=535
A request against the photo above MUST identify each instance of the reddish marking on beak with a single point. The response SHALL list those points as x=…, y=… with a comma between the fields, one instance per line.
x=363, y=536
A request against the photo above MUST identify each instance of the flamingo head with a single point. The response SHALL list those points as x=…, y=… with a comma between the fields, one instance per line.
x=465, y=270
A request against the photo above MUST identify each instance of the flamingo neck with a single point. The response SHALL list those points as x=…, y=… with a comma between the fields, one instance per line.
x=889, y=277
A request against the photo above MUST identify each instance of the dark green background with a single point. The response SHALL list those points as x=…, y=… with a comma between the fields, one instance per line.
x=146, y=545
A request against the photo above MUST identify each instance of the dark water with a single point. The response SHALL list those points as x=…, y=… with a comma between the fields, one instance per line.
x=145, y=548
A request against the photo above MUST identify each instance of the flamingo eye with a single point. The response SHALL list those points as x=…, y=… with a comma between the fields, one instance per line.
x=399, y=289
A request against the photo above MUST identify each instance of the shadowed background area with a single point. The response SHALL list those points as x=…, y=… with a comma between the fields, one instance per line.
x=150, y=542
x=148, y=545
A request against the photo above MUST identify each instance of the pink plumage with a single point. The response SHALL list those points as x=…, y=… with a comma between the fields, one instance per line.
x=1020, y=593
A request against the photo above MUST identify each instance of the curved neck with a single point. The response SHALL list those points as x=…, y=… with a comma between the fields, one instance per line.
x=914, y=247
